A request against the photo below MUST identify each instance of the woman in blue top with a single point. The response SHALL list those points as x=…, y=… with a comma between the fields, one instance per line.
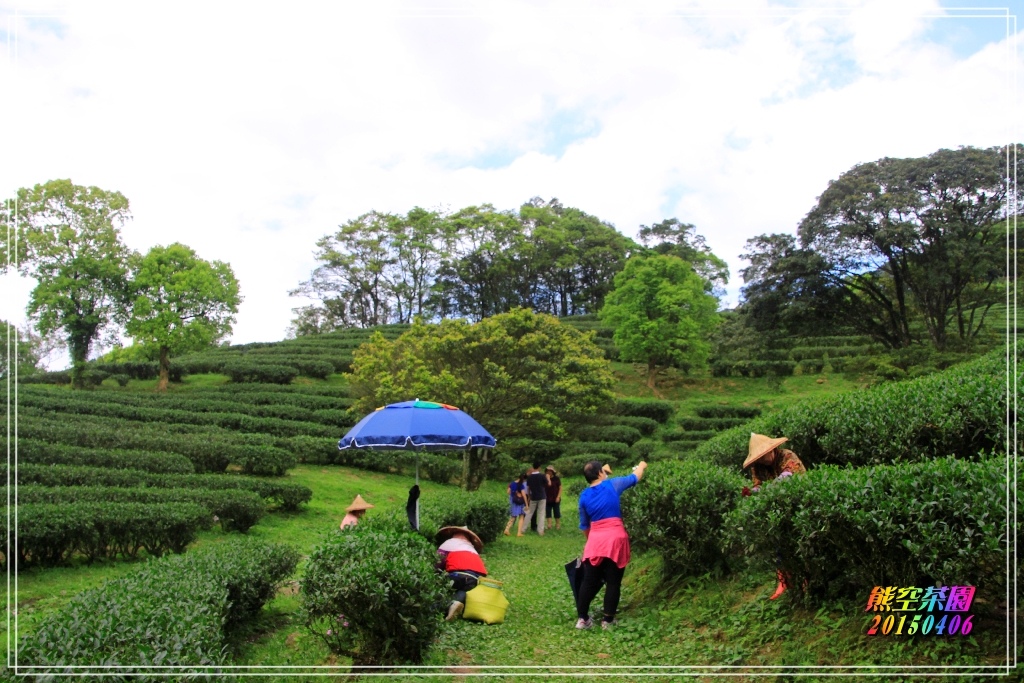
x=516, y=503
x=606, y=552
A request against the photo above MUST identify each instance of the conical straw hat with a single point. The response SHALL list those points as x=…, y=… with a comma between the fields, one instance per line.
x=759, y=445
x=358, y=504
x=444, y=533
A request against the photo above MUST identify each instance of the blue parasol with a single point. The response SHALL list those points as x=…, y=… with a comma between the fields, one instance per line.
x=417, y=426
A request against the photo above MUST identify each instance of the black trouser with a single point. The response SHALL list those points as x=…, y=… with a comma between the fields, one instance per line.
x=611, y=574
x=463, y=581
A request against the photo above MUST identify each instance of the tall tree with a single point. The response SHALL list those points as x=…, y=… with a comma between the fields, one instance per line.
x=673, y=237
x=520, y=374
x=900, y=234
x=182, y=303
x=68, y=238
x=22, y=350
x=661, y=313
x=576, y=255
x=786, y=292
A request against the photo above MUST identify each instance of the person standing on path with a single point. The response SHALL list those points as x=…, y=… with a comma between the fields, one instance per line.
x=606, y=552
x=554, y=494
x=516, y=502
x=536, y=484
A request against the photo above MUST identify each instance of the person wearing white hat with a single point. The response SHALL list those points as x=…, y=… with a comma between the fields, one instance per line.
x=355, y=512
x=768, y=462
x=460, y=558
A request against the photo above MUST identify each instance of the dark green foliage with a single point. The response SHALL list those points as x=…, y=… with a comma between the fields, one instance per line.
x=960, y=411
x=58, y=377
x=620, y=433
x=482, y=513
x=645, y=425
x=244, y=372
x=265, y=461
x=727, y=411
x=678, y=509
x=698, y=424
x=49, y=534
x=441, y=468
x=844, y=531
x=33, y=451
x=176, y=611
x=315, y=450
x=572, y=465
x=657, y=410
x=754, y=368
x=236, y=510
x=600, y=450
x=374, y=595
x=286, y=495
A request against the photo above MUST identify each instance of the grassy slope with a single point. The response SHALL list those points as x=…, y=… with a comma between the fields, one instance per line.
x=710, y=621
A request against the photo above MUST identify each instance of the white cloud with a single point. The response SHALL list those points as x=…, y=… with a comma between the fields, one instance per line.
x=249, y=133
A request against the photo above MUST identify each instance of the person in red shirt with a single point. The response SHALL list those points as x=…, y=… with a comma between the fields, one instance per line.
x=460, y=559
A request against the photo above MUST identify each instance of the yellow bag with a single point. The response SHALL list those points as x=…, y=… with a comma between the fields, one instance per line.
x=486, y=602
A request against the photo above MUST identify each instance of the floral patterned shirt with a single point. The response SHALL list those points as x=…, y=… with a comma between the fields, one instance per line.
x=786, y=462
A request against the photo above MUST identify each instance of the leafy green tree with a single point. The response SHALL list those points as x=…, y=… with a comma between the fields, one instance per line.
x=522, y=375
x=576, y=255
x=661, y=313
x=675, y=238
x=378, y=268
x=902, y=236
x=182, y=303
x=22, y=350
x=68, y=238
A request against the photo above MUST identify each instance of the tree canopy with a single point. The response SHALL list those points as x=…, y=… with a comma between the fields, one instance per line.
x=920, y=236
x=181, y=302
x=68, y=238
x=475, y=262
x=522, y=375
x=662, y=313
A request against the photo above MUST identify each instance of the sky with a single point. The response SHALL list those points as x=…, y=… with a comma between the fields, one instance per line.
x=249, y=130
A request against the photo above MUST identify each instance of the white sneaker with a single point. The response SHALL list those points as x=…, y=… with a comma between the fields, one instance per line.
x=584, y=623
x=606, y=625
x=455, y=610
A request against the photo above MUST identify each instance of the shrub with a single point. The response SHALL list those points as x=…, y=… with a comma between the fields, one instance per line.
x=236, y=510
x=727, y=411
x=481, y=512
x=845, y=530
x=572, y=465
x=657, y=410
x=314, y=450
x=32, y=451
x=374, y=595
x=645, y=425
x=440, y=468
x=247, y=372
x=961, y=411
x=176, y=611
x=285, y=494
x=265, y=461
x=678, y=510
x=49, y=534
x=620, y=433
x=612, y=450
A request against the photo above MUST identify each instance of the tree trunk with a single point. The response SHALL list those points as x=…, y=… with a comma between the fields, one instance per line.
x=652, y=374
x=474, y=468
x=165, y=369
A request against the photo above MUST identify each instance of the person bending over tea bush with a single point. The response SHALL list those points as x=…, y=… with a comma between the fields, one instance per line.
x=768, y=462
x=460, y=560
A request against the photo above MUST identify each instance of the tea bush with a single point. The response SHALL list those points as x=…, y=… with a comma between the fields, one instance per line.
x=259, y=373
x=175, y=611
x=49, y=534
x=37, y=452
x=600, y=450
x=618, y=433
x=236, y=510
x=713, y=411
x=287, y=495
x=659, y=411
x=844, y=531
x=961, y=411
x=481, y=512
x=678, y=510
x=645, y=425
x=374, y=595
